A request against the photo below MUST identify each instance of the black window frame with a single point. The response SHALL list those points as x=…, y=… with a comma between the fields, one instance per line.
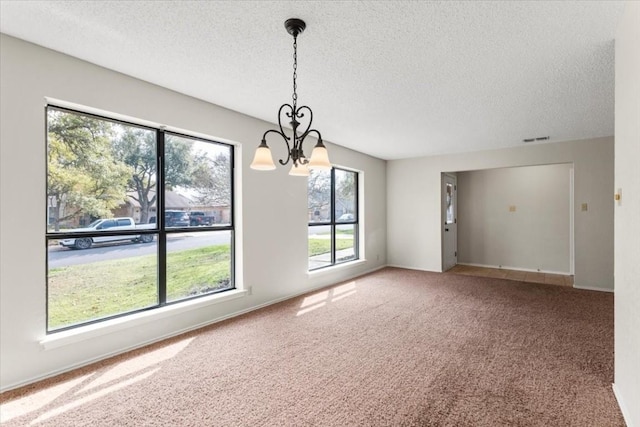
x=333, y=222
x=160, y=230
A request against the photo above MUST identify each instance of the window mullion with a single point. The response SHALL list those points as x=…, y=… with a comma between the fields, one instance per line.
x=333, y=216
x=356, y=225
x=162, y=234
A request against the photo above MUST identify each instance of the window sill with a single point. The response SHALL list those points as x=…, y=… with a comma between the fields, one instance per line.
x=83, y=333
x=334, y=268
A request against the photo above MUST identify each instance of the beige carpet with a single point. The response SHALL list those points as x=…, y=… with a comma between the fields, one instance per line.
x=393, y=348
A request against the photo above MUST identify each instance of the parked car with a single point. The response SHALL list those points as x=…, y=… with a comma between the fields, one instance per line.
x=176, y=219
x=346, y=217
x=108, y=224
x=200, y=218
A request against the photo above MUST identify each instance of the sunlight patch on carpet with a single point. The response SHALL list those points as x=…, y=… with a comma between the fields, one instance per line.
x=317, y=300
x=35, y=401
x=137, y=364
x=314, y=299
x=74, y=404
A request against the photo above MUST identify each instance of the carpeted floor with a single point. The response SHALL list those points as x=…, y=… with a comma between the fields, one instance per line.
x=393, y=348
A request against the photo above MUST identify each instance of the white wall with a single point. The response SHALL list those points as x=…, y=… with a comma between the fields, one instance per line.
x=272, y=209
x=627, y=215
x=413, y=197
x=534, y=236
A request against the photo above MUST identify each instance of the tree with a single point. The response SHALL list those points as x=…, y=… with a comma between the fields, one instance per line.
x=345, y=190
x=179, y=162
x=212, y=179
x=82, y=175
x=94, y=164
x=319, y=195
x=136, y=147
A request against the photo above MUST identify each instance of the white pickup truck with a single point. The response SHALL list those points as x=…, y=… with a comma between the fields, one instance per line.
x=108, y=224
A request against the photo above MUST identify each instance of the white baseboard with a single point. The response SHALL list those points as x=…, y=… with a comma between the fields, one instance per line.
x=623, y=408
x=586, y=288
x=593, y=288
x=507, y=267
x=405, y=267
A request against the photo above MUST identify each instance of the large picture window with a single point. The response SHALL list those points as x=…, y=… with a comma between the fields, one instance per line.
x=137, y=218
x=333, y=217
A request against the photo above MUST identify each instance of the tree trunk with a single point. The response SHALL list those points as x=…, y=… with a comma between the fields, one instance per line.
x=144, y=210
x=56, y=220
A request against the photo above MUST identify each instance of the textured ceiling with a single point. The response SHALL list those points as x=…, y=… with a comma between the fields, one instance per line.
x=393, y=79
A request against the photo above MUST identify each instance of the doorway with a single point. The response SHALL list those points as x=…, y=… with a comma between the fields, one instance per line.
x=516, y=218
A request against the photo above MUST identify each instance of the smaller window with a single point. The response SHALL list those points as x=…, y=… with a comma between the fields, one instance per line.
x=333, y=217
x=449, y=201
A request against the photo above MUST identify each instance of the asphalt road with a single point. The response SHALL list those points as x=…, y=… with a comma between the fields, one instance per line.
x=61, y=257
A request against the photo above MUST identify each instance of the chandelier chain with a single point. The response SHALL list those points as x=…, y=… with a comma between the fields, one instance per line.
x=295, y=71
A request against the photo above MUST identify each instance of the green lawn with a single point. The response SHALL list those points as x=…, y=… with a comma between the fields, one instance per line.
x=85, y=292
x=323, y=246
x=339, y=231
x=81, y=293
x=197, y=271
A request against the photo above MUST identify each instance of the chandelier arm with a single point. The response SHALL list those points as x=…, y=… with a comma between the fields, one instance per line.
x=284, y=136
x=288, y=114
x=286, y=141
x=308, y=132
x=300, y=114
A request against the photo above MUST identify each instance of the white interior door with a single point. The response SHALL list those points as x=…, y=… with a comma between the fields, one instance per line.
x=449, y=222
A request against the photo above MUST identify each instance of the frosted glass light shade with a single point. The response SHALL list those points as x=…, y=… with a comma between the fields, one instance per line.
x=319, y=158
x=262, y=160
x=299, y=170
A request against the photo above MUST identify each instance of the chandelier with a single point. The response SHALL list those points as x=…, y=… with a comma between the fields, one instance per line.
x=300, y=164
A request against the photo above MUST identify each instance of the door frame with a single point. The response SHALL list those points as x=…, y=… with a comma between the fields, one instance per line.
x=572, y=241
x=572, y=211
